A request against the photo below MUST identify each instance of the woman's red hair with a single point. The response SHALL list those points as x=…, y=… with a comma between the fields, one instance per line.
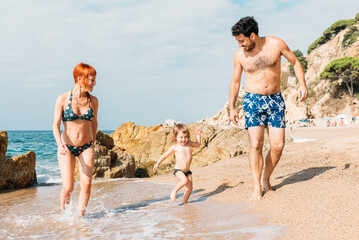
x=81, y=73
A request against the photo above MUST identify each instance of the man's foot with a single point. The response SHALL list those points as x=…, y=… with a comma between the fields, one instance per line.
x=266, y=186
x=256, y=195
x=173, y=196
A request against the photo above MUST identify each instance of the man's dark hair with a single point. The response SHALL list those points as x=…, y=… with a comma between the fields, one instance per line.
x=246, y=26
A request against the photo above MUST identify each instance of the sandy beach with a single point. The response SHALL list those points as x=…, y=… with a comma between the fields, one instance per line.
x=316, y=185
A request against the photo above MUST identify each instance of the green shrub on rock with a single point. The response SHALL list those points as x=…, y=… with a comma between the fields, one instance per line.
x=332, y=31
x=301, y=59
x=350, y=37
x=346, y=69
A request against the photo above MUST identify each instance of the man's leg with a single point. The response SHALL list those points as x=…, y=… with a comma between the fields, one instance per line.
x=276, y=140
x=256, y=138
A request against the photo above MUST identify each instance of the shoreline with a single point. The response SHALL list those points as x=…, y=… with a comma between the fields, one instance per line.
x=316, y=185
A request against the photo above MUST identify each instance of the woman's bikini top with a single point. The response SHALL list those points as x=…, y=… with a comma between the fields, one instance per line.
x=69, y=115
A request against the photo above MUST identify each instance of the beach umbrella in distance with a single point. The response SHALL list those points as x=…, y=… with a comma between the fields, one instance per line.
x=341, y=116
x=303, y=120
x=327, y=118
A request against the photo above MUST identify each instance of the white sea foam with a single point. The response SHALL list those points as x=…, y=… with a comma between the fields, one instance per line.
x=48, y=179
x=300, y=140
x=125, y=209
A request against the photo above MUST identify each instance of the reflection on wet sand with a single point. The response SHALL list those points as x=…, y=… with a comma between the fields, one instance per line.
x=124, y=209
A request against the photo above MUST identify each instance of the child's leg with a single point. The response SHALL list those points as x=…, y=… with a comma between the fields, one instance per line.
x=183, y=180
x=189, y=187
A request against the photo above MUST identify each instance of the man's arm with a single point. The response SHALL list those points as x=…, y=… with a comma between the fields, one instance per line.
x=234, y=89
x=298, y=70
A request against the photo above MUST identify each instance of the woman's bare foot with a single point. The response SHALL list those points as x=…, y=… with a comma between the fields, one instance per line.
x=256, y=195
x=173, y=196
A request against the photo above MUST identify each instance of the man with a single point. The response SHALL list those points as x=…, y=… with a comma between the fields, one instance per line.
x=263, y=104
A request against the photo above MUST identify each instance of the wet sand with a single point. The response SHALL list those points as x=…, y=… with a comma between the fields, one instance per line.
x=126, y=209
x=316, y=185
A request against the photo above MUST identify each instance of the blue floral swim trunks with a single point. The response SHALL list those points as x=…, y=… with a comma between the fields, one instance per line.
x=267, y=110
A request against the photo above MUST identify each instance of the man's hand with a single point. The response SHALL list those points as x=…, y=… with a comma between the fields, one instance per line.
x=233, y=115
x=302, y=93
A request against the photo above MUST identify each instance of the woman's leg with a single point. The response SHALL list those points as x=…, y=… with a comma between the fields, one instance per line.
x=67, y=167
x=86, y=163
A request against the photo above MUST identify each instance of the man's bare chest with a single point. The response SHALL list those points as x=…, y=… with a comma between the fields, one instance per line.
x=259, y=62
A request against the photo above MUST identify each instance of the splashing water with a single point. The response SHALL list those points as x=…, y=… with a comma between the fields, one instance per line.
x=125, y=209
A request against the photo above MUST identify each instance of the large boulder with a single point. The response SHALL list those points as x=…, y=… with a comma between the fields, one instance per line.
x=148, y=144
x=3, y=143
x=110, y=160
x=104, y=140
x=18, y=172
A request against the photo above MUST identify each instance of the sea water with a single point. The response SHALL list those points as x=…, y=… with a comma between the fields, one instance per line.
x=118, y=208
x=45, y=148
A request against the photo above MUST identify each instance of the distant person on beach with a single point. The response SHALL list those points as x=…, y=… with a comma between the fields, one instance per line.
x=263, y=104
x=334, y=123
x=341, y=123
x=78, y=111
x=328, y=123
x=183, y=155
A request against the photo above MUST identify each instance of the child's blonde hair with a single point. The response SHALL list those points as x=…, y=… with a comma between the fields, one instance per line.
x=179, y=127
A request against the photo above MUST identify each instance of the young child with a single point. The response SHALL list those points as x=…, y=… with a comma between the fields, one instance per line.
x=183, y=155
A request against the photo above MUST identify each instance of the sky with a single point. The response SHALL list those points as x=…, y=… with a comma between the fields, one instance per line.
x=155, y=59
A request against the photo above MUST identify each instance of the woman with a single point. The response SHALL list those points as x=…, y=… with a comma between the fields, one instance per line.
x=78, y=111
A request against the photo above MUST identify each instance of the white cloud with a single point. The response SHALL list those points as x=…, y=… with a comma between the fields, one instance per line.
x=156, y=59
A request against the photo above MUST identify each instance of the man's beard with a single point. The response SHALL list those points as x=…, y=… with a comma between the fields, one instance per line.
x=253, y=44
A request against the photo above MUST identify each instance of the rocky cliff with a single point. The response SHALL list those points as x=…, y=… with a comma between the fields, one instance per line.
x=147, y=144
x=3, y=143
x=18, y=171
x=325, y=97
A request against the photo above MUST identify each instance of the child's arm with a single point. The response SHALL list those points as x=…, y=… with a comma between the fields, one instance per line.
x=163, y=157
x=198, y=139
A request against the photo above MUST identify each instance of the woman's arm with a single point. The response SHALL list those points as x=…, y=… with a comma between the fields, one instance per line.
x=57, y=123
x=94, y=124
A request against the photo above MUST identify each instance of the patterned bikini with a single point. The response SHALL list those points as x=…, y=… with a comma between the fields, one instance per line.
x=69, y=115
